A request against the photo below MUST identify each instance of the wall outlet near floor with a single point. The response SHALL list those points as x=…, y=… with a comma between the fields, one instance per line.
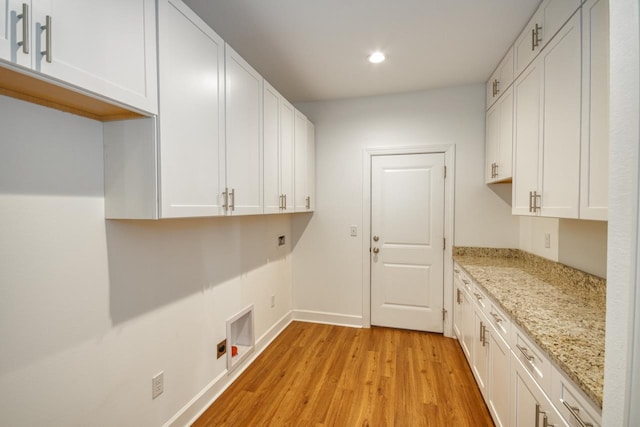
x=273, y=301
x=221, y=348
x=547, y=240
x=157, y=385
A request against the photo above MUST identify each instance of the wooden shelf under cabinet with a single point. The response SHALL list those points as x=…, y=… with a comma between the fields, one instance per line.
x=31, y=89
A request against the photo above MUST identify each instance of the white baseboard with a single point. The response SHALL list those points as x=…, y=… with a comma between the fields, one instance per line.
x=196, y=407
x=328, y=318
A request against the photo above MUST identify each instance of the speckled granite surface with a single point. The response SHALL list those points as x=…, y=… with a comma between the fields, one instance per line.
x=561, y=308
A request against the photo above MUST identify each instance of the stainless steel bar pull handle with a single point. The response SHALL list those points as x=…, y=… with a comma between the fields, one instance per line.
x=281, y=200
x=225, y=198
x=25, y=28
x=47, y=30
x=574, y=412
x=533, y=47
x=458, y=296
x=308, y=200
x=530, y=201
x=497, y=318
x=525, y=352
x=538, y=39
x=284, y=205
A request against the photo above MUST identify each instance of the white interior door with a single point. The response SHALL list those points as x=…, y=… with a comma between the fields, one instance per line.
x=407, y=232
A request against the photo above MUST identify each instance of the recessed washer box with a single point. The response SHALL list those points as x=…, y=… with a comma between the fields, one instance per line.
x=241, y=335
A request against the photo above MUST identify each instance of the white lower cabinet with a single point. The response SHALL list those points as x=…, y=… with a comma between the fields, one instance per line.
x=518, y=382
x=499, y=379
x=480, y=363
x=573, y=405
x=531, y=406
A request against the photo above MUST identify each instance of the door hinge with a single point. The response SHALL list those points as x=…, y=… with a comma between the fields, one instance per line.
x=445, y=171
x=444, y=313
x=444, y=243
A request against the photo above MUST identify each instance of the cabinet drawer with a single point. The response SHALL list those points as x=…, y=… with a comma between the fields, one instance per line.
x=573, y=405
x=481, y=300
x=500, y=321
x=532, y=357
x=460, y=275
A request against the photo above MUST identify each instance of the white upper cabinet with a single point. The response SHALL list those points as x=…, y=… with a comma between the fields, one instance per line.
x=16, y=32
x=191, y=134
x=244, y=87
x=278, y=152
x=302, y=196
x=175, y=168
x=105, y=48
x=311, y=166
x=546, y=156
x=499, y=139
x=546, y=22
x=594, y=178
x=501, y=79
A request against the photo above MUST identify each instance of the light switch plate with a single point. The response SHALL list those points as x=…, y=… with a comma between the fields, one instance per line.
x=353, y=230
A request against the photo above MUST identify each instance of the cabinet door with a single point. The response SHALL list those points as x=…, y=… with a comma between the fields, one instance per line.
x=468, y=326
x=500, y=139
x=548, y=19
x=286, y=153
x=300, y=164
x=192, y=114
x=311, y=166
x=481, y=353
x=530, y=405
x=499, y=380
x=527, y=133
x=504, y=170
x=501, y=78
x=271, y=141
x=243, y=135
x=458, y=305
x=13, y=29
x=105, y=47
x=594, y=178
x=560, y=177
x=492, y=142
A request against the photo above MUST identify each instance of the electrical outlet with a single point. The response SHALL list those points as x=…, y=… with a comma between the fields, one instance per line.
x=281, y=240
x=157, y=385
x=273, y=301
x=547, y=240
x=353, y=230
x=221, y=348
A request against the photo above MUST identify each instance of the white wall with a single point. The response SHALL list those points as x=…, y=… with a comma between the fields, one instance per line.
x=622, y=350
x=327, y=261
x=91, y=309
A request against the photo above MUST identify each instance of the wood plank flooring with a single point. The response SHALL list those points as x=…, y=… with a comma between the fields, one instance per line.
x=322, y=375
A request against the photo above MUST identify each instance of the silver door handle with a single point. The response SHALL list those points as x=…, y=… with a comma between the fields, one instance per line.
x=284, y=205
x=376, y=250
x=525, y=352
x=497, y=318
x=25, y=28
x=47, y=31
x=232, y=196
x=308, y=199
x=376, y=238
x=574, y=412
x=225, y=197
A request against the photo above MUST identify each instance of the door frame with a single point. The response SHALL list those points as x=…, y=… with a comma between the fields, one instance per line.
x=449, y=186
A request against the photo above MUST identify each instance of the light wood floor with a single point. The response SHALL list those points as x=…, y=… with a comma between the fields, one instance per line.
x=322, y=375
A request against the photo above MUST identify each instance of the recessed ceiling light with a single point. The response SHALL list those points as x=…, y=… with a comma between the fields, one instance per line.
x=376, y=57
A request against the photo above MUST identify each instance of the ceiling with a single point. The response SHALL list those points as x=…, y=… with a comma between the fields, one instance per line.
x=317, y=50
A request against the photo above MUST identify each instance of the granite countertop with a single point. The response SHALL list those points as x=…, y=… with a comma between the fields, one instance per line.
x=561, y=308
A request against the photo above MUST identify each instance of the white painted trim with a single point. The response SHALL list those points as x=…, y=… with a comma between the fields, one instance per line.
x=328, y=318
x=449, y=151
x=196, y=406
